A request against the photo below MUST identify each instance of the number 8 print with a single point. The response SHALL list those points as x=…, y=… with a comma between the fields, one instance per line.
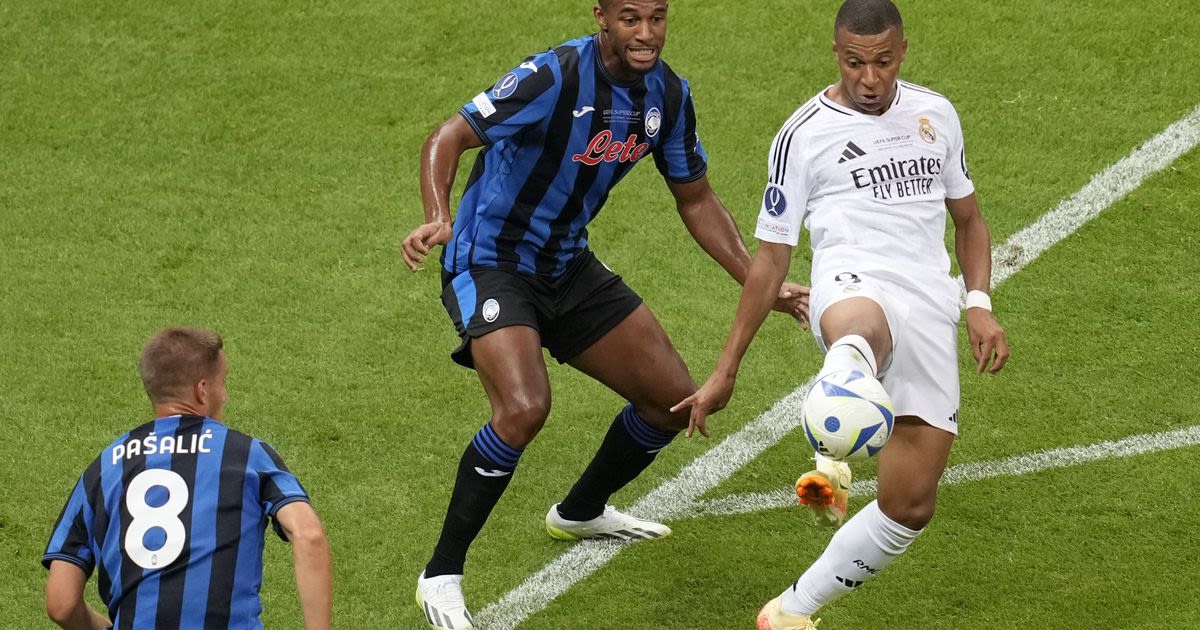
x=147, y=517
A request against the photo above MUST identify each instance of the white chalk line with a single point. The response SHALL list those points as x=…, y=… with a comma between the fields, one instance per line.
x=678, y=496
x=973, y=471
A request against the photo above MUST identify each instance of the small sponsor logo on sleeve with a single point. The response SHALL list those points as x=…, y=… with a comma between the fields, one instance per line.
x=782, y=229
x=483, y=104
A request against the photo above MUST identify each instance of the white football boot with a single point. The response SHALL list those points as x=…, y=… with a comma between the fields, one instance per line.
x=826, y=491
x=610, y=525
x=773, y=617
x=441, y=599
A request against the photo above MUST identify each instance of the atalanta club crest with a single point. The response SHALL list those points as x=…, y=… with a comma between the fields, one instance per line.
x=653, y=122
x=774, y=201
x=491, y=310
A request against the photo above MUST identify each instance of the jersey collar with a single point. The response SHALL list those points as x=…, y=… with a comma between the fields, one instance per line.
x=604, y=71
x=841, y=109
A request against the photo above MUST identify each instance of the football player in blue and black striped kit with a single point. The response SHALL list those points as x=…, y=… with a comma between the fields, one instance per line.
x=173, y=513
x=558, y=132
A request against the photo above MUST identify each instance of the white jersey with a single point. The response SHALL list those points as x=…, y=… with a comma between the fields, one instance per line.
x=870, y=189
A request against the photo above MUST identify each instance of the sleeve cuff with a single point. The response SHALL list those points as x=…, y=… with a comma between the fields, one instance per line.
x=960, y=193
x=286, y=500
x=771, y=237
x=689, y=178
x=79, y=562
x=471, y=121
x=275, y=510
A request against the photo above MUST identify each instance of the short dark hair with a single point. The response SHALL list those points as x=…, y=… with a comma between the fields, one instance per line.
x=868, y=17
x=174, y=359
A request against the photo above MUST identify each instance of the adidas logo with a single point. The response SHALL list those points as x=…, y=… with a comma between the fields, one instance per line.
x=850, y=152
x=850, y=583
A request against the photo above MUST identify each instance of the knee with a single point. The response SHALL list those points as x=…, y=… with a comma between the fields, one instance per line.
x=914, y=515
x=519, y=420
x=658, y=414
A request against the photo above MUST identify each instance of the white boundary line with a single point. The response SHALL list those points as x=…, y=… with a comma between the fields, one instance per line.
x=678, y=496
x=975, y=471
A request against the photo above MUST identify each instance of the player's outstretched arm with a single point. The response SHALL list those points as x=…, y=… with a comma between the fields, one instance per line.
x=314, y=566
x=439, y=164
x=64, y=599
x=973, y=247
x=767, y=271
x=711, y=224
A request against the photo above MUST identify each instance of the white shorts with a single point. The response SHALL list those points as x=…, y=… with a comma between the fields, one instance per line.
x=921, y=372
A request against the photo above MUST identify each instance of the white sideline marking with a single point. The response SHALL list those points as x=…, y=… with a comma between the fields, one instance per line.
x=974, y=471
x=678, y=496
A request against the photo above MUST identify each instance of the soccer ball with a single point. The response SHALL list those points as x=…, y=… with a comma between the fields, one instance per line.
x=847, y=416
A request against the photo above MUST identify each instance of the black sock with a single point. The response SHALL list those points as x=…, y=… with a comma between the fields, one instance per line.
x=484, y=471
x=627, y=450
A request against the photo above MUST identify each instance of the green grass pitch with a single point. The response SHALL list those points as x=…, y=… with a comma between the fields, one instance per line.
x=252, y=167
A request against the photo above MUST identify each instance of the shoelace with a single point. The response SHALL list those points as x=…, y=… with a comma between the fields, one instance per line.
x=446, y=595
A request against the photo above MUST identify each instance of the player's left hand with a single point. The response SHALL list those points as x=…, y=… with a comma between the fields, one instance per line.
x=793, y=300
x=709, y=399
x=986, y=336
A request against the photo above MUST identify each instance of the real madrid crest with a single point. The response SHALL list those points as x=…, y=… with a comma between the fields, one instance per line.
x=926, y=131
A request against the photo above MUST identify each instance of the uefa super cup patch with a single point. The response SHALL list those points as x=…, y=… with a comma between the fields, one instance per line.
x=505, y=87
x=774, y=201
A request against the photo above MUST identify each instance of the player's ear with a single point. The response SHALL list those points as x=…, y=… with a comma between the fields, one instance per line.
x=903, y=48
x=601, y=20
x=201, y=393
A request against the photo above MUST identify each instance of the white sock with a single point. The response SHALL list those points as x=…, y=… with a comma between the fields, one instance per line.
x=866, y=544
x=851, y=352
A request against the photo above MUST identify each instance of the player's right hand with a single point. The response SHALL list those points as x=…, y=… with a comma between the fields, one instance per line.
x=418, y=243
x=709, y=399
x=793, y=300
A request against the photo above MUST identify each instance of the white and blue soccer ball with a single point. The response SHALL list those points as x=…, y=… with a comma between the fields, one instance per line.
x=847, y=416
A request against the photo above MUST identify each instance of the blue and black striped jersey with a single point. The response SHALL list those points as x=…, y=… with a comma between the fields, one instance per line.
x=174, y=514
x=559, y=133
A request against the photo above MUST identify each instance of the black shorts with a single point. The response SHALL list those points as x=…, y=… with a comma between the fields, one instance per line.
x=570, y=312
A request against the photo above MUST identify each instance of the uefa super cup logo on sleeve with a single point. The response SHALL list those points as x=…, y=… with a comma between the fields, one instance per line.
x=774, y=201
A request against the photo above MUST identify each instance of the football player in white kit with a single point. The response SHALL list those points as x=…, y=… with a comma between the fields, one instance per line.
x=871, y=165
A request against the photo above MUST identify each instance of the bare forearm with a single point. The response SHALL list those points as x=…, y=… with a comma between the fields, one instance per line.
x=972, y=246
x=763, y=280
x=82, y=617
x=710, y=223
x=438, y=167
x=64, y=599
x=314, y=581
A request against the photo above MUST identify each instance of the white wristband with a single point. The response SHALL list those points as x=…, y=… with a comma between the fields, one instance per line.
x=979, y=299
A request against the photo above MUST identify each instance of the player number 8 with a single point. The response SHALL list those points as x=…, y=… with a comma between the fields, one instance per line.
x=147, y=517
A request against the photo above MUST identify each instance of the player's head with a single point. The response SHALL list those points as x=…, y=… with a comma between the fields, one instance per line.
x=633, y=32
x=186, y=368
x=869, y=44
